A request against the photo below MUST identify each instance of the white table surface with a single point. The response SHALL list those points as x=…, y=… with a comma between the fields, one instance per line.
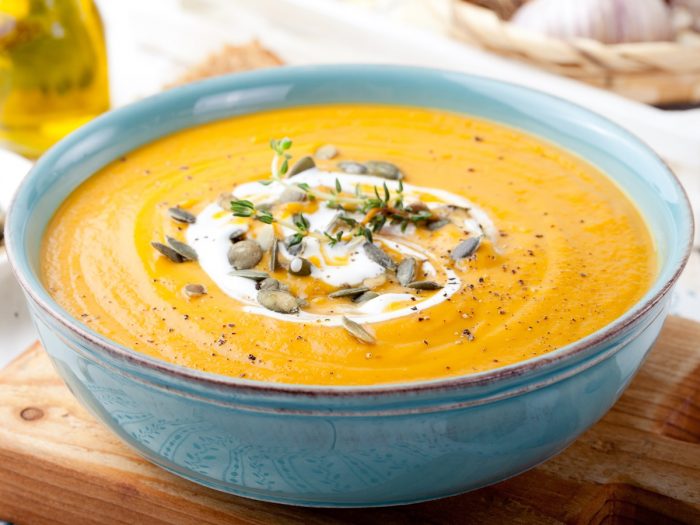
x=152, y=42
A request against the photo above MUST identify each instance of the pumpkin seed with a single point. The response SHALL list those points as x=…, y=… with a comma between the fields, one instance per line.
x=358, y=331
x=181, y=215
x=273, y=255
x=292, y=195
x=168, y=252
x=300, y=266
x=326, y=152
x=269, y=284
x=278, y=301
x=296, y=248
x=236, y=235
x=383, y=169
x=254, y=275
x=424, y=285
x=436, y=225
x=304, y=163
x=417, y=207
x=185, y=250
x=353, y=168
x=348, y=292
x=2, y=226
x=466, y=248
x=194, y=290
x=406, y=271
x=244, y=254
x=224, y=201
x=379, y=256
x=456, y=207
x=367, y=296
x=265, y=236
x=333, y=223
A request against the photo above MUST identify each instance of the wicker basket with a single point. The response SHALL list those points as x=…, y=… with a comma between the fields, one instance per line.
x=655, y=72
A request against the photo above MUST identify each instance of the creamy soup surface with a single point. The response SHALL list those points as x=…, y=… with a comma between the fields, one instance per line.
x=411, y=245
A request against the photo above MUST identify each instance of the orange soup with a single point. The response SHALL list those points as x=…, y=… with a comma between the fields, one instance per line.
x=365, y=244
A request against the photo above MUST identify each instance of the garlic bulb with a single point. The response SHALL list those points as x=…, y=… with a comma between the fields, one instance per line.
x=691, y=5
x=608, y=21
x=503, y=8
x=686, y=14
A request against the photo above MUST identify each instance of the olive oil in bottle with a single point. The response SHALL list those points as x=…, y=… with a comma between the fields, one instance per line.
x=53, y=71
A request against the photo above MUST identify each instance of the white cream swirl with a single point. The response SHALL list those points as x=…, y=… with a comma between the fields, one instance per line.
x=346, y=263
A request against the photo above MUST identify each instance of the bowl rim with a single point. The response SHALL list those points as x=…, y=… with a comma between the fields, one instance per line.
x=161, y=368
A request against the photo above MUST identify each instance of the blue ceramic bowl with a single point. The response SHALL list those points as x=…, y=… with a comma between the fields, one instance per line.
x=352, y=446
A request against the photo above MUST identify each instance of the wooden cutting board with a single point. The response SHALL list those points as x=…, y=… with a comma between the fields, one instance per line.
x=640, y=464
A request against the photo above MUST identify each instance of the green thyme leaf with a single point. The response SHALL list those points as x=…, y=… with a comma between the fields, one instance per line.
x=295, y=239
x=347, y=220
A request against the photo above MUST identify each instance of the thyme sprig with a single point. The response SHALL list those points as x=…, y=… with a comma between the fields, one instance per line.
x=379, y=207
x=300, y=224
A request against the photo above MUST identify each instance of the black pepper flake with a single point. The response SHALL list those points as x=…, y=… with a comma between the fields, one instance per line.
x=468, y=334
x=251, y=357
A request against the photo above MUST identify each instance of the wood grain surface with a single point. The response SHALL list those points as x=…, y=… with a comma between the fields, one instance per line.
x=640, y=464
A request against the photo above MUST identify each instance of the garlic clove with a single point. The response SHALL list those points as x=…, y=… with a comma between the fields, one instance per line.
x=607, y=21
